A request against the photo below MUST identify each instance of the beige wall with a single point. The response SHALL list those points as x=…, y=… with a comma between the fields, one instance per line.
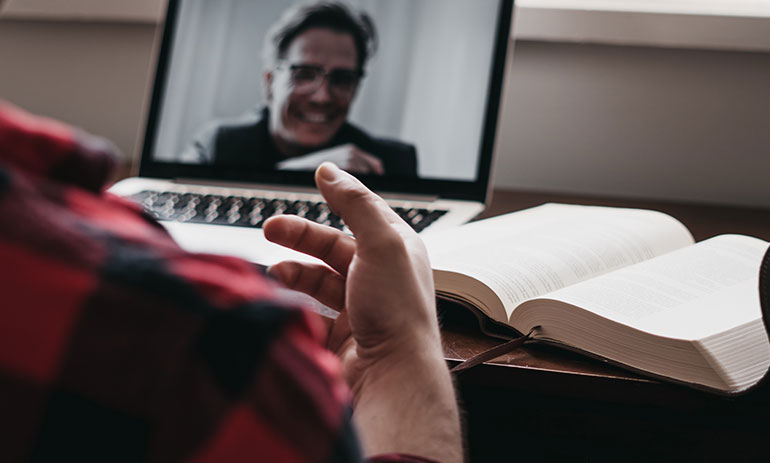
x=630, y=121
x=640, y=122
x=90, y=74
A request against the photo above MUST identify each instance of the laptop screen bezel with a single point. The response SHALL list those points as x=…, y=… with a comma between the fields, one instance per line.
x=450, y=189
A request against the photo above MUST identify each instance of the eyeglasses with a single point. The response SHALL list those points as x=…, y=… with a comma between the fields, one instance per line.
x=306, y=79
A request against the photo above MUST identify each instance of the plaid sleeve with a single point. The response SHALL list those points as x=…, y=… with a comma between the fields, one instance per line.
x=48, y=149
x=115, y=344
x=111, y=346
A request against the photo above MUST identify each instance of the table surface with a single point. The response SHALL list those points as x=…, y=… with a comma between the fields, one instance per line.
x=541, y=366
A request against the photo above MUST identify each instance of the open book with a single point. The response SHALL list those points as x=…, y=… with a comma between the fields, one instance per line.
x=626, y=285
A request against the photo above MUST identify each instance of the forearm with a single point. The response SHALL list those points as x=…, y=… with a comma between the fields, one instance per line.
x=408, y=405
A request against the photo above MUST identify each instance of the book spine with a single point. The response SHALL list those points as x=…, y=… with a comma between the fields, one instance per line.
x=764, y=289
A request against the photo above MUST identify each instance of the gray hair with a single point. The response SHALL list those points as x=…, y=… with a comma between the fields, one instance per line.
x=332, y=15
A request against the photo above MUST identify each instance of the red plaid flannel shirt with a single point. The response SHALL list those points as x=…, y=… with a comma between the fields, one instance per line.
x=117, y=345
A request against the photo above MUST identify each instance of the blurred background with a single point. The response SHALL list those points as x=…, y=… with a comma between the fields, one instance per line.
x=643, y=99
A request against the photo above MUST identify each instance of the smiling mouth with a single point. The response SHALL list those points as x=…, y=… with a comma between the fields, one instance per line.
x=315, y=118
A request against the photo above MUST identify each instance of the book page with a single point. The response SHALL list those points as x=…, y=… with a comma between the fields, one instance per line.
x=689, y=294
x=527, y=254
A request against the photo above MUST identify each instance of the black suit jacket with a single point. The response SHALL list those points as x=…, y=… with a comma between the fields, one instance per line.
x=247, y=143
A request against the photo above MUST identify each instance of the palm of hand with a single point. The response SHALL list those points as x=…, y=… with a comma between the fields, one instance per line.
x=369, y=297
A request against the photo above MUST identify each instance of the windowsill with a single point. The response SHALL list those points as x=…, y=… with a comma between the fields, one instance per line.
x=130, y=11
x=705, y=24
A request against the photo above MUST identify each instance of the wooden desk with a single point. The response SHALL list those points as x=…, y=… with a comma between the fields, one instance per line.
x=541, y=403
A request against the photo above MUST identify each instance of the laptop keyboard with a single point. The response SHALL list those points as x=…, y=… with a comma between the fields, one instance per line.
x=250, y=211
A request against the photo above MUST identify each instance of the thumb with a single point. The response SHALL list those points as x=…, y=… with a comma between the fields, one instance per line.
x=366, y=214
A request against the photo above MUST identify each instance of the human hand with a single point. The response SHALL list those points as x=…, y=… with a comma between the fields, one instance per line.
x=380, y=280
x=382, y=283
x=348, y=157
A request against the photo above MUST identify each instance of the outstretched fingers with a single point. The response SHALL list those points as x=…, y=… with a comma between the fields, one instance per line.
x=325, y=243
x=316, y=280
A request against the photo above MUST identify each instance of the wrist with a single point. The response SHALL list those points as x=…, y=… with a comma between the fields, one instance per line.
x=410, y=362
x=417, y=333
x=406, y=403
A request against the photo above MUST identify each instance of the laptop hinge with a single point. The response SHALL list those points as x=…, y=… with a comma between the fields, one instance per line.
x=409, y=197
x=245, y=185
x=297, y=189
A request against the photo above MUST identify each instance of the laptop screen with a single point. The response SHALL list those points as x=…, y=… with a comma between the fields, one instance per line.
x=402, y=93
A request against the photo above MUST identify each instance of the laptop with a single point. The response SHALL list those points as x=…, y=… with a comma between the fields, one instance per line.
x=238, y=120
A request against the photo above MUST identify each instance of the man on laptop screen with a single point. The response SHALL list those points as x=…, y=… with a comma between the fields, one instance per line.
x=315, y=57
x=416, y=122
